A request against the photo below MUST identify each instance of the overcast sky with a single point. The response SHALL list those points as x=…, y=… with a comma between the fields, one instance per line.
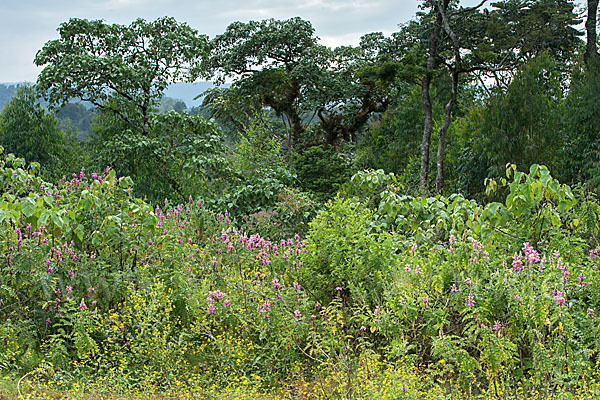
x=25, y=25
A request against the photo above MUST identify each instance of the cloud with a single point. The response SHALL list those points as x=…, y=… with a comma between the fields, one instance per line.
x=26, y=25
x=341, y=5
x=117, y=4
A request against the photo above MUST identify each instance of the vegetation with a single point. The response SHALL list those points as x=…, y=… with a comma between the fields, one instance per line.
x=281, y=241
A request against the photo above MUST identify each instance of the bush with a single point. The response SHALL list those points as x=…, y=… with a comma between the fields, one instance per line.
x=321, y=171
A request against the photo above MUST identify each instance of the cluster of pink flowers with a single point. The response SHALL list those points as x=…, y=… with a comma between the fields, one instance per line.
x=565, y=271
x=451, y=241
x=478, y=252
x=497, y=326
x=210, y=300
x=558, y=297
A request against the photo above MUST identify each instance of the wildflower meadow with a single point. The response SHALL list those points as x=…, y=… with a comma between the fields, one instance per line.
x=386, y=296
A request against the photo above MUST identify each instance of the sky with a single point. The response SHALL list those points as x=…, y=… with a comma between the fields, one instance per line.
x=25, y=25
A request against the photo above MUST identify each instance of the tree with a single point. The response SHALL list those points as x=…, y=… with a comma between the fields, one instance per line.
x=357, y=84
x=485, y=43
x=590, y=28
x=30, y=131
x=274, y=60
x=281, y=65
x=122, y=70
x=519, y=126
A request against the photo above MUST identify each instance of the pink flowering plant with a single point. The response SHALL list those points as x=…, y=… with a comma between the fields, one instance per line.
x=103, y=288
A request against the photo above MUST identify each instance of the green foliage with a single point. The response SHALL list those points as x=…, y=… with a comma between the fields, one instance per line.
x=347, y=253
x=76, y=117
x=290, y=216
x=581, y=124
x=391, y=141
x=519, y=126
x=259, y=173
x=29, y=130
x=100, y=287
x=180, y=150
x=321, y=171
x=537, y=208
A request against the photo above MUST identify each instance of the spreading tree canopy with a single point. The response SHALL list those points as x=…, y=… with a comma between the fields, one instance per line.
x=133, y=64
x=123, y=71
x=281, y=65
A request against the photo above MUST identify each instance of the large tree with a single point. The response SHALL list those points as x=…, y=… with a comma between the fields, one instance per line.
x=122, y=70
x=281, y=65
x=272, y=60
x=95, y=61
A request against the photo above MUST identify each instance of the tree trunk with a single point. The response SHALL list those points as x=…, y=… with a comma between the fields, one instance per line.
x=590, y=28
x=427, y=104
x=454, y=70
x=439, y=181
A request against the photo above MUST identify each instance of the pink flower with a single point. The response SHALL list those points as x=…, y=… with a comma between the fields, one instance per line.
x=517, y=264
x=581, y=279
x=425, y=300
x=296, y=285
x=497, y=325
x=452, y=240
x=590, y=312
x=226, y=302
x=297, y=314
x=363, y=328
x=82, y=305
x=453, y=289
x=276, y=283
x=558, y=297
x=470, y=300
x=150, y=242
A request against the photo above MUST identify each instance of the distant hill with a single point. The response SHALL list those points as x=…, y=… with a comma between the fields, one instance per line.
x=77, y=116
x=6, y=92
x=182, y=91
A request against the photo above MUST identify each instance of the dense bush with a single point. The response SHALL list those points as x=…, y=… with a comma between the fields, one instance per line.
x=321, y=171
x=386, y=297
